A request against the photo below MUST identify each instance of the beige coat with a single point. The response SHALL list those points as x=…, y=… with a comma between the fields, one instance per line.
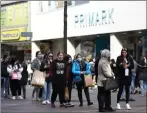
x=104, y=71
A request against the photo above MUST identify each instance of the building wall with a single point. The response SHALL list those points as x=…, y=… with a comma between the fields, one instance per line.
x=97, y=17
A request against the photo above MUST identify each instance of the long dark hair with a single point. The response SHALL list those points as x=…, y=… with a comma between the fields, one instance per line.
x=13, y=61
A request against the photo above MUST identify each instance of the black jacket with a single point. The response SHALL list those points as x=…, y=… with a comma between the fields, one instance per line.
x=4, y=72
x=25, y=75
x=121, y=71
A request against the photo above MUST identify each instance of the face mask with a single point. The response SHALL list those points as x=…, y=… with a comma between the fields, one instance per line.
x=79, y=59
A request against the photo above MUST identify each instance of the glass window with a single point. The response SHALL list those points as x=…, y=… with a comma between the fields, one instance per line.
x=60, y=4
x=81, y=2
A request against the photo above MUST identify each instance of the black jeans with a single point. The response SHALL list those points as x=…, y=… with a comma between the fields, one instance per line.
x=16, y=87
x=104, y=98
x=24, y=91
x=80, y=86
x=58, y=89
x=40, y=92
x=127, y=90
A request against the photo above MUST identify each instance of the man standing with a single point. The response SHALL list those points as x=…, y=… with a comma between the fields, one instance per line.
x=5, y=77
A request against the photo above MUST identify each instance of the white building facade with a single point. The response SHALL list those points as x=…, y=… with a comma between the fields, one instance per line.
x=87, y=21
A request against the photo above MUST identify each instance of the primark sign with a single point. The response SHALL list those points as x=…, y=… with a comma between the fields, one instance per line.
x=95, y=18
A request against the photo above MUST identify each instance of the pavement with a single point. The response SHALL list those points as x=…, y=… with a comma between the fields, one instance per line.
x=29, y=106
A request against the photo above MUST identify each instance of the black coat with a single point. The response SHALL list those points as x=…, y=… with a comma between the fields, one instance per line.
x=25, y=75
x=4, y=72
x=121, y=71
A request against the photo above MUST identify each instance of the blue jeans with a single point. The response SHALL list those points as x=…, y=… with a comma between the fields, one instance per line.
x=46, y=91
x=143, y=87
x=132, y=87
x=5, y=87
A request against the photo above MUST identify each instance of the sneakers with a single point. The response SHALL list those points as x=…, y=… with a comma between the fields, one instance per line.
x=128, y=107
x=44, y=102
x=48, y=102
x=19, y=97
x=13, y=98
x=118, y=106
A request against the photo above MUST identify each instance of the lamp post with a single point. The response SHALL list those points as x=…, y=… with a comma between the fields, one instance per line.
x=65, y=27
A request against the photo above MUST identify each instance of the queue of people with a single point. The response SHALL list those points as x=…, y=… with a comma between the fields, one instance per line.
x=61, y=73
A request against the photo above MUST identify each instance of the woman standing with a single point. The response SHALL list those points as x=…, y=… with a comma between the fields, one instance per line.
x=104, y=72
x=124, y=65
x=24, y=78
x=15, y=69
x=79, y=69
x=45, y=67
x=36, y=66
x=58, y=71
x=69, y=78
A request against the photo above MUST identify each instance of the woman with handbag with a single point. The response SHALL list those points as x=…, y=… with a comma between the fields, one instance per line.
x=15, y=69
x=36, y=66
x=69, y=80
x=79, y=69
x=124, y=66
x=142, y=75
x=58, y=72
x=45, y=67
x=104, y=72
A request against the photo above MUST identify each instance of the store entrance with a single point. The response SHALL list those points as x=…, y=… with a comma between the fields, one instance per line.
x=19, y=54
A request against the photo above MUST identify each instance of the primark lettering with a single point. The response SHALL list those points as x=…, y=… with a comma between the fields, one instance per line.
x=102, y=17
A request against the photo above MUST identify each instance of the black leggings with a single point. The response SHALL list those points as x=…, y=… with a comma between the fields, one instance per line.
x=80, y=86
x=127, y=90
x=58, y=89
x=24, y=91
x=15, y=87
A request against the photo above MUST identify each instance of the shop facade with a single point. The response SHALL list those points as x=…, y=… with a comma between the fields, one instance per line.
x=92, y=26
x=14, y=21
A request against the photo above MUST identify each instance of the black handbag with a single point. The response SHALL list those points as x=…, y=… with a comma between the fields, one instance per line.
x=110, y=84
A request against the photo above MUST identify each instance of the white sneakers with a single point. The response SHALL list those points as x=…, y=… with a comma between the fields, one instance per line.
x=13, y=98
x=46, y=102
x=20, y=98
x=127, y=106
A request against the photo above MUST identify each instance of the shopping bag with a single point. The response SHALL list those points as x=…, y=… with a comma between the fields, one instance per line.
x=110, y=84
x=38, y=79
x=14, y=76
x=66, y=93
x=88, y=80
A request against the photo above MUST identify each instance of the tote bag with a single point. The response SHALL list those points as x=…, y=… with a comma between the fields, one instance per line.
x=38, y=78
x=88, y=80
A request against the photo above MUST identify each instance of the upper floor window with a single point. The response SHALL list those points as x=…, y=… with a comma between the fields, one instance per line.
x=60, y=4
x=77, y=2
x=40, y=6
x=44, y=6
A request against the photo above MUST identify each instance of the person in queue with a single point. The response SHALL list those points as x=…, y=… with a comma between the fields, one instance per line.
x=104, y=72
x=45, y=67
x=79, y=69
x=24, y=78
x=36, y=66
x=58, y=72
x=4, y=77
x=15, y=69
x=124, y=66
x=69, y=78
x=142, y=75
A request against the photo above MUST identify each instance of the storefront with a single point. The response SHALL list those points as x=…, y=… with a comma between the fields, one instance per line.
x=14, y=21
x=92, y=26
